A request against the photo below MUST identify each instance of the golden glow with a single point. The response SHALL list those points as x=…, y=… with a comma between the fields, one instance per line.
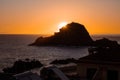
x=62, y=24
x=43, y=16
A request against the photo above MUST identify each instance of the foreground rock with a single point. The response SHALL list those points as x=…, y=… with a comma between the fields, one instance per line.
x=73, y=34
x=64, y=61
x=22, y=66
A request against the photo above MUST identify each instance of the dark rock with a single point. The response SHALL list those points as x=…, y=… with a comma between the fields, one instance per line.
x=22, y=66
x=64, y=61
x=105, y=43
x=73, y=34
x=4, y=76
x=103, y=46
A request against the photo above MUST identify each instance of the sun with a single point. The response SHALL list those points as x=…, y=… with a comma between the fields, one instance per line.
x=62, y=24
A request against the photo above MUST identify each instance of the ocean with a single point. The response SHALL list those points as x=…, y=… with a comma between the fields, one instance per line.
x=15, y=47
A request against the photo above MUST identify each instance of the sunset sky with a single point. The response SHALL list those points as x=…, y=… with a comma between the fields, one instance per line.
x=44, y=16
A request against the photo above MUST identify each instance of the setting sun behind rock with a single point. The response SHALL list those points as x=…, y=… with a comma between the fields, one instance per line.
x=62, y=24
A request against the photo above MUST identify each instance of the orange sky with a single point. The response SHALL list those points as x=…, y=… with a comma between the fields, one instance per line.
x=43, y=16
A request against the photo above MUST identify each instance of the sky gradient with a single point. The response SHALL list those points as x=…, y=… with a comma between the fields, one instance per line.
x=43, y=16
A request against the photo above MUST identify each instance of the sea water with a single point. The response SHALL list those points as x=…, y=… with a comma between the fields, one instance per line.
x=14, y=47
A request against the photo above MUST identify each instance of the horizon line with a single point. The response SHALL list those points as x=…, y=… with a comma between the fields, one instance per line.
x=48, y=34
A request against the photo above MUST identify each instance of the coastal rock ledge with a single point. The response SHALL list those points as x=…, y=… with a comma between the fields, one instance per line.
x=73, y=34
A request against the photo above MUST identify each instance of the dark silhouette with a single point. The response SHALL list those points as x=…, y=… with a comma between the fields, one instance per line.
x=103, y=55
x=104, y=46
x=73, y=34
x=64, y=61
x=4, y=76
x=106, y=43
x=22, y=66
x=47, y=74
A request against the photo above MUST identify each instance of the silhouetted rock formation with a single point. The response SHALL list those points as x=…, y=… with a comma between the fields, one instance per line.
x=64, y=61
x=22, y=66
x=73, y=34
x=106, y=43
x=103, y=55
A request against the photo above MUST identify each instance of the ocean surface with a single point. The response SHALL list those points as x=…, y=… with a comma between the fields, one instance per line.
x=14, y=47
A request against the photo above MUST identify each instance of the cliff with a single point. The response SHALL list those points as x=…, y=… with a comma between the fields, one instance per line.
x=73, y=34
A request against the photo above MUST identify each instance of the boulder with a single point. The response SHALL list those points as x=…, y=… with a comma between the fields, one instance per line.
x=73, y=34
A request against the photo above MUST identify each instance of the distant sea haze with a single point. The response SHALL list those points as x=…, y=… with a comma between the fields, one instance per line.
x=14, y=47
